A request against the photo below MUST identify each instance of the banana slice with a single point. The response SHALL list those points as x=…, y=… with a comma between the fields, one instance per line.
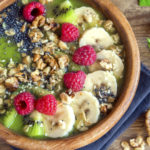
x=96, y=37
x=115, y=60
x=107, y=60
x=86, y=15
x=86, y=108
x=61, y=123
x=99, y=78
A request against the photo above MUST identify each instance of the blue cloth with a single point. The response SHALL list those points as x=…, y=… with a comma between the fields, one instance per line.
x=139, y=105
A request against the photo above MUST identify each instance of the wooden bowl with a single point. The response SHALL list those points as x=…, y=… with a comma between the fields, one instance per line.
x=128, y=91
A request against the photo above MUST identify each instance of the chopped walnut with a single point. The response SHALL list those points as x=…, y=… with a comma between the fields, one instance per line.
x=2, y=79
x=36, y=57
x=27, y=60
x=23, y=54
x=52, y=37
x=2, y=89
x=39, y=21
x=109, y=26
x=20, y=44
x=12, y=83
x=106, y=65
x=63, y=61
x=49, y=47
x=117, y=49
x=65, y=98
x=38, y=50
x=46, y=71
x=10, y=32
x=46, y=27
x=44, y=40
x=147, y=121
x=11, y=64
x=51, y=25
x=12, y=71
x=125, y=145
x=116, y=38
x=3, y=72
x=53, y=80
x=22, y=77
x=20, y=67
x=40, y=64
x=8, y=102
x=51, y=61
x=35, y=76
x=62, y=45
x=23, y=28
x=111, y=99
x=104, y=107
x=136, y=142
x=35, y=35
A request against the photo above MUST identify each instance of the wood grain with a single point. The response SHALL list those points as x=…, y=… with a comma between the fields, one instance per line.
x=140, y=22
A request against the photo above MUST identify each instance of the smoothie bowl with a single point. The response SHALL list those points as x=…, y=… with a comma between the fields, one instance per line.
x=67, y=73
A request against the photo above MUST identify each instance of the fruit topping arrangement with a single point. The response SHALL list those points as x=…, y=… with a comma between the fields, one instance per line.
x=61, y=67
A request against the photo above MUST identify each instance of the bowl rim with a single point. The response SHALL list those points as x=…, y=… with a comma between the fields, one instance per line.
x=128, y=91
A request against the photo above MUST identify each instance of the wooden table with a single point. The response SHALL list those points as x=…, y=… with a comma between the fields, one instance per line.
x=139, y=17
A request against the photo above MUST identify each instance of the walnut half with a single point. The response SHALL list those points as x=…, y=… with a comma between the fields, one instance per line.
x=125, y=145
x=12, y=83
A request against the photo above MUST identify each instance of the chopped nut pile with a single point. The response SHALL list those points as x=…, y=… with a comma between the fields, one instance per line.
x=138, y=143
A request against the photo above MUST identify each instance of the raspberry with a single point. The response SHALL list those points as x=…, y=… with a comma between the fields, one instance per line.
x=69, y=32
x=24, y=103
x=46, y=105
x=84, y=56
x=74, y=80
x=32, y=10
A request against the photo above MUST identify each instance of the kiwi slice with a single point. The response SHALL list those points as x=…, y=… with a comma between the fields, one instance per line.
x=36, y=129
x=13, y=120
x=8, y=51
x=74, y=67
x=65, y=13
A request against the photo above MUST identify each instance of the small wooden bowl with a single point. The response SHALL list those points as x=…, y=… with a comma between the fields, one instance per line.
x=128, y=91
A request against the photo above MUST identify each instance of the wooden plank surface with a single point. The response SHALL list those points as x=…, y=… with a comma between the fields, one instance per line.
x=139, y=18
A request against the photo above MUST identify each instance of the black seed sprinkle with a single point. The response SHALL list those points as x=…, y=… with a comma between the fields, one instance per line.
x=15, y=20
x=103, y=93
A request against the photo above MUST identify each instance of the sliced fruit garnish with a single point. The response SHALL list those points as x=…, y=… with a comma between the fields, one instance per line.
x=36, y=128
x=65, y=13
x=12, y=120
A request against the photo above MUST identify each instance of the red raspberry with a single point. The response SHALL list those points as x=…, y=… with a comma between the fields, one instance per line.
x=74, y=80
x=46, y=105
x=84, y=56
x=24, y=103
x=69, y=32
x=32, y=10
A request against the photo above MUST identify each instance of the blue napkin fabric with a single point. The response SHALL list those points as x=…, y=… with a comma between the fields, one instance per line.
x=139, y=105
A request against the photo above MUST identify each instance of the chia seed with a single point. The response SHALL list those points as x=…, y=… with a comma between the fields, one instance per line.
x=103, y=93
